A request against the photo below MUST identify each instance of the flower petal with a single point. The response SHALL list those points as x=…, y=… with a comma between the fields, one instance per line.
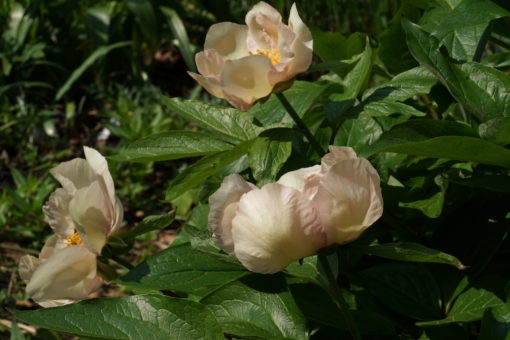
x=337, y=154
x=56, y=210
x=74, y=174
x=223, y=206
x=209, y=63
x=302, y=46
x=93, y=216
x=274, y=226
x=296, y=179
x=228, y=39
x=68, y=274
x=247, y=78
x=210, y=84
x=27, y=266
x=100, y=166
x=263, y=22
x=349, y=199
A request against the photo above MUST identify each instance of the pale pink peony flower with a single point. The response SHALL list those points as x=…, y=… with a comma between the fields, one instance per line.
x=307, y=209
x=243, y=63
x=83, y=213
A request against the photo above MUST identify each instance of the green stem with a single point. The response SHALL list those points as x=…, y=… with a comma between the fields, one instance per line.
x=300, y=124
x=334, y=291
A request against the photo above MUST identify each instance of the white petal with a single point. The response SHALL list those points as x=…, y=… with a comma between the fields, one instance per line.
x=93, y=216
x=228, y=39
x=210, y=84
x=247, y=78
x=349, y=199
x=263, y=22
x=74, y=174
x=119, y=216
x=100, y=166
x=56, y=210
x=27, y=266
x=55, y=303
x=298, y=26
x=296, y=179
x=274, y=226
x=209, y=63
x=69, y=273
x=337, y=154
x=52, y=245
x=223, y=206
x=302, y=46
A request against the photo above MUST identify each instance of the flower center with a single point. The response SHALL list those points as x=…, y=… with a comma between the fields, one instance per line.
x=273, y=55
x=74, y=239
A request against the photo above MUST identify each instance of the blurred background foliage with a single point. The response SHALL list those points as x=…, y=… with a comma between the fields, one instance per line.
x=94, y=73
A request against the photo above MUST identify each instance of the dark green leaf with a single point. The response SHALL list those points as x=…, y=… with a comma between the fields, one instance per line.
x=469, y=306
x=130, y=317
x=386, y=108
x=148, y=224
x=496, y=130
x=172, y=145
x=356, y=79
x=195, y=174
x=268, y=154
x=227, y=121
x=258, y=306
x=496, y=323
x=408, y=251
x=182, y=269
x=179, y=32
x=407, y=289
x=483, y=91
x=146, y=19
x=100, y=52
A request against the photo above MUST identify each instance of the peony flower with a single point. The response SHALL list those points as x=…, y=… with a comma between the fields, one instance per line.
x=243, y=63
x=83, y=213
x=307, y=209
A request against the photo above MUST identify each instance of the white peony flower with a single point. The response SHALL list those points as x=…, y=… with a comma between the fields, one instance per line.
x=307, y=209
x=243, y=63
x=83, y=213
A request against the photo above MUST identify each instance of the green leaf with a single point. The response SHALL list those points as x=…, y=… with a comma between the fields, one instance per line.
x=268, y=154
x=194, y=174
x=149, y=223
x=496, y=323
x=98, y=22
x=258, y=306
x=129, y=317
x=496, y=130
x=182, y=269
x=301, y=96
x=146, y=19
x=230, y=122
x=431, y=206
x=358, y=133
x=171, y=145
x=469, y=306
x=462, y=28
x=179, y=32
x=403, y=86
x=407, y=289
x=482, y=90
x=357, y=78
x=411, y=252
x=335, y=46
x=386, y=108
x=100, y=52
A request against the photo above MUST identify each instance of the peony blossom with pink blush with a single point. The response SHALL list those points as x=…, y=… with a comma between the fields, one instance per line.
x=244, y=63
x=83, y=213
x=308, y=209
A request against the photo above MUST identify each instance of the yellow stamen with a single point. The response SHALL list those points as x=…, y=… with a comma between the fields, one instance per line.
x=74, y=239
x=273, y=55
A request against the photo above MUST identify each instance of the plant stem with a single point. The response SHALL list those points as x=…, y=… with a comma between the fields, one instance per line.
x=300, y=124
x=334, y=291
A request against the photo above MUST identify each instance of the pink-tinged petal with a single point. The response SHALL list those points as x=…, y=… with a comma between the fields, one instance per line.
x=349, y=199
x=210, y=84
x=247, y=78
x=119, y=216
x=263, y=22
x=100, y=166
x=337, y=154
x=223, y=207
x=92, y=215
x=298, y=27
x=209, y=63
x=74, y=174
x=302, y=46
x=69, y=273
x=55, y=303
x=56, y=211
x=274, y=226
x=296, y=179
x=228, y=39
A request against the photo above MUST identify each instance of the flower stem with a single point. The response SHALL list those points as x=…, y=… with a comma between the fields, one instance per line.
x=334, y=291
x=300, y=124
